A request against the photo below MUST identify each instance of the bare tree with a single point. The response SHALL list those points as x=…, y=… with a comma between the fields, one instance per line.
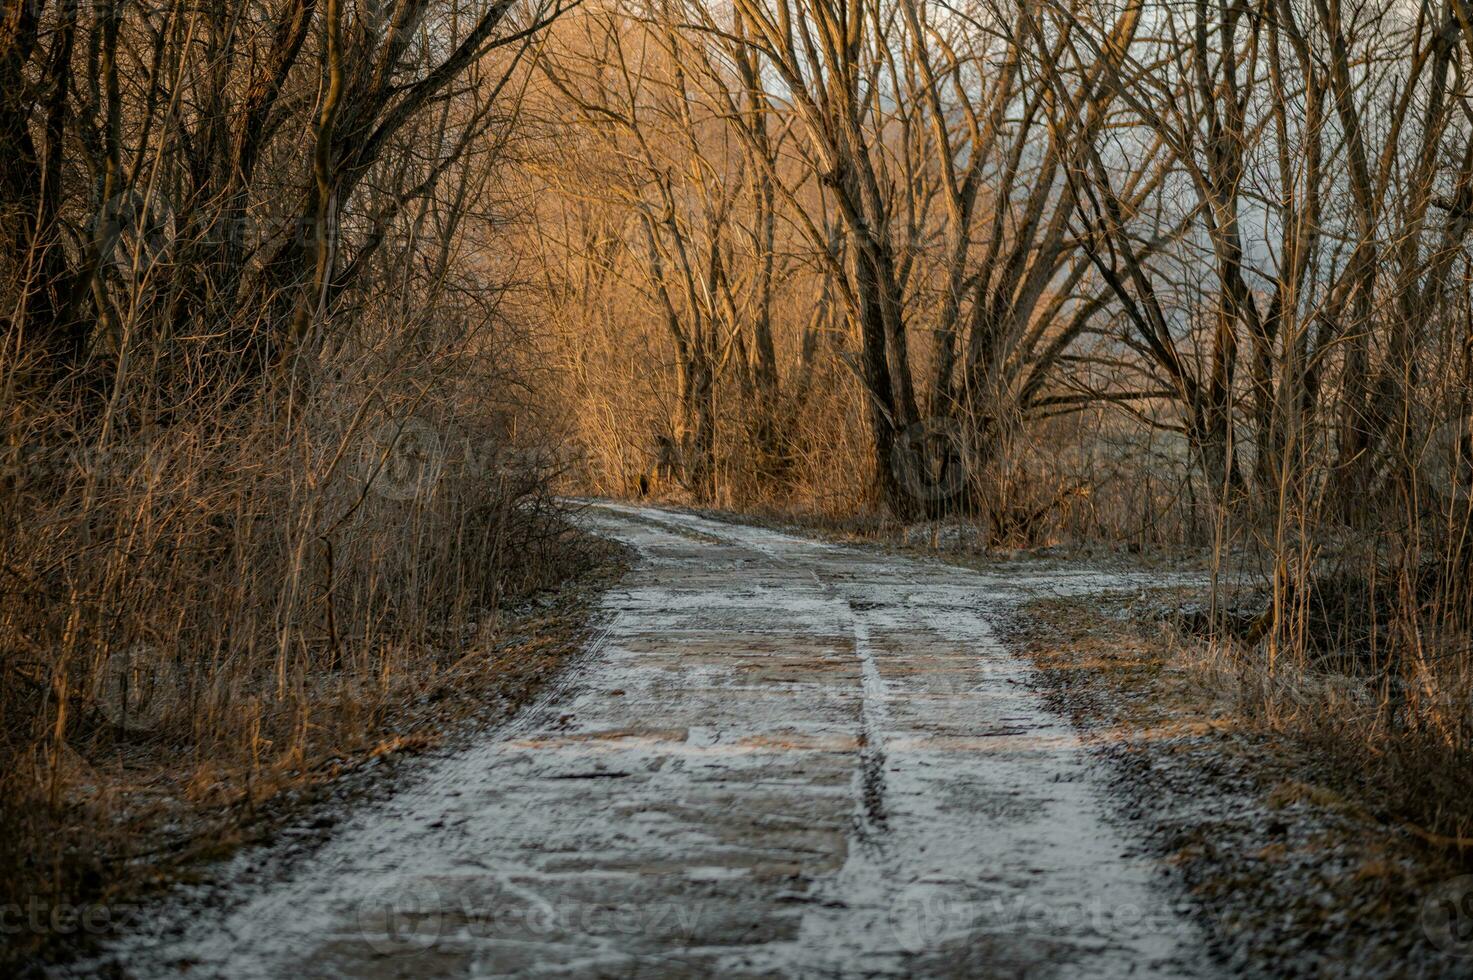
x=927, y=132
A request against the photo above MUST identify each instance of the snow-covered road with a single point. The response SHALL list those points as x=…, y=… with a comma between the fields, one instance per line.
x=784, y=758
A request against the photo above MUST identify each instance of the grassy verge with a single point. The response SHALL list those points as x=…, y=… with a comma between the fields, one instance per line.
x=1298, y=865
x=140, y=815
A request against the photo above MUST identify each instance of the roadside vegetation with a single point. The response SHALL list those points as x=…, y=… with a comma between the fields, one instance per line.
x=1301, y=859
x=312, y=311
x=275, y=465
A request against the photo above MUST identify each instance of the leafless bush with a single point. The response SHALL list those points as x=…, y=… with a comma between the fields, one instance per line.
x=269, y=440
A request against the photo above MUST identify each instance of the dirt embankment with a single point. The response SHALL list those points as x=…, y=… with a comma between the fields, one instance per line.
x=1293, y=868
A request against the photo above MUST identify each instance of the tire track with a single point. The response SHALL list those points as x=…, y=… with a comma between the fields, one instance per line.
x=779, y=757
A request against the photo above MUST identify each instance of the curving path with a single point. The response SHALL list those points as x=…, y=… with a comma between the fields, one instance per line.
x=783, y=758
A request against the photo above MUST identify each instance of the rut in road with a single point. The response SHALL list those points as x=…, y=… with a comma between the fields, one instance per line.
x=783, y=758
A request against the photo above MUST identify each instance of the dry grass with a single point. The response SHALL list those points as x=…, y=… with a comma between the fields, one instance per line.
x=1301, y=859
x=1385, y=701
x=244, y=617
x=146, y=819
x=212, y=597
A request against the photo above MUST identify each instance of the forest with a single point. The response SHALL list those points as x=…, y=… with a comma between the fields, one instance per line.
x=320, y=317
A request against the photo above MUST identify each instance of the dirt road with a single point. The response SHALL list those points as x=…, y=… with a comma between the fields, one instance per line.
x=782, y=758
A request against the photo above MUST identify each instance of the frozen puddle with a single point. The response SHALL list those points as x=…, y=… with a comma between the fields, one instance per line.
x=785, y=758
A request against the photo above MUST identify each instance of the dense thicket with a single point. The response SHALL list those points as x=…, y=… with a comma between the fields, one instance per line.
x=268, y=442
